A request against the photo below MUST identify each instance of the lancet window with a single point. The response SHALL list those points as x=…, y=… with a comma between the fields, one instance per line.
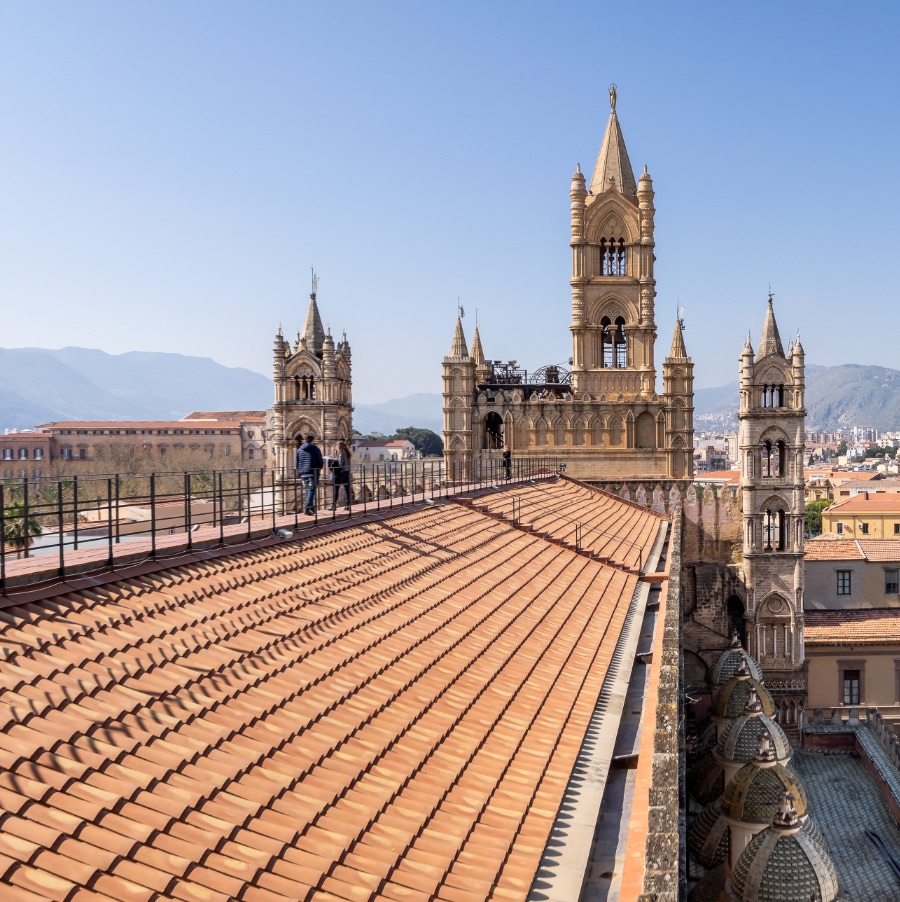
x=774, y=459
x=773, y=396
x=774, y=530
x=304, y=388
x=614, y=343
x=612, y=257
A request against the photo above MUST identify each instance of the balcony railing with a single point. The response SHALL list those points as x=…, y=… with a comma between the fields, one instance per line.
x=52, y=528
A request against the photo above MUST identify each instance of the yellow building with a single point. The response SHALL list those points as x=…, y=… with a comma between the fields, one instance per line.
x=868, y=515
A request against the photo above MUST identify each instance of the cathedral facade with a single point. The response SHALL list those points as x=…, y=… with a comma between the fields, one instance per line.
x=313, y=389
x=604, y=417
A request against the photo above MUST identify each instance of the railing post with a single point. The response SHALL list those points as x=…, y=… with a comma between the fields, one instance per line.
x=274, y=521
x=249, y=518
x=118, y=507
x=59, y=527
x=109, y=515
x=221, y=508
x=152, y=516
x=187, y=511
x=26, y=531
x=75, y=513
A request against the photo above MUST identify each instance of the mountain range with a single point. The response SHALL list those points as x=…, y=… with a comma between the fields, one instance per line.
x=40, y=386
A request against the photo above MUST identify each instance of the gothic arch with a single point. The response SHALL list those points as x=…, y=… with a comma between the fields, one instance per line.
x=456, y=381
x=302, y=427
x=645, y=431
x=613, y=207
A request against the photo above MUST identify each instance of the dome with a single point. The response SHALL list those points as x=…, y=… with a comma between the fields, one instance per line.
x=731, y=700
x=708, y=837
x=785, y=862
x=711, y=888
x=726, y=667
x=755, y=793
x=740, y=739
x=706, y=779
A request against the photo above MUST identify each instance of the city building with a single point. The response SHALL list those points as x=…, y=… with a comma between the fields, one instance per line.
x=869, y=515
x=603, y=416
x=25, y=454
x=367, y=449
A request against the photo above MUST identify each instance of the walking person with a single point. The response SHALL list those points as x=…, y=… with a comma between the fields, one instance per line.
x=309, y=466
x=507, y=461
x=341, y=474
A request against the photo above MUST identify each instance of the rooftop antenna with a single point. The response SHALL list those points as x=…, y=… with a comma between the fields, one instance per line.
x=315, y=282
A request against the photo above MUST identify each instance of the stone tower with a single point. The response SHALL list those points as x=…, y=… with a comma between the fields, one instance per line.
x=603, y=418
x=313, y=389
x=772, y=438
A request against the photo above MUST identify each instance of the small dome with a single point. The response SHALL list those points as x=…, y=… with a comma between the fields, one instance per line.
x=726, y=667
x=708, y=836
x=711, y=888
x=707, y=779
x=731, y=700
x=740, y=739
x=785, y=862
x=755, y=793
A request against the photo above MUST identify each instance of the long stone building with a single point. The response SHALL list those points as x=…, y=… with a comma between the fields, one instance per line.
x=604, y=416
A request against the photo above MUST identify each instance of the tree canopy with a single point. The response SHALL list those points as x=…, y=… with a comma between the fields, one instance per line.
x=812, y=516
x=427, y=443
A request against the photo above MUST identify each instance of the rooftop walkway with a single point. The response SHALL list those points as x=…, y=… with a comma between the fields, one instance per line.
x=390, y=709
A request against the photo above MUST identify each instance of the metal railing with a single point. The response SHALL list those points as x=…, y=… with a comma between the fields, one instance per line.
x=55, y=519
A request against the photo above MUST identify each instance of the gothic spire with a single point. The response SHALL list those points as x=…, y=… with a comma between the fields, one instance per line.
x=477, y=351
x=458, y=348
x=312, y=327
x=678, y=348
x=770, y=343
x=612, y=161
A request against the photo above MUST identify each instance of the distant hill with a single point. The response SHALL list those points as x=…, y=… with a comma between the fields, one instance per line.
x=836, y=396
x=40, y=386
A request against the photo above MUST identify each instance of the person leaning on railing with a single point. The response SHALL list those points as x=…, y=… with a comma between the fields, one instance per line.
x=340, y=468
x=309, y=466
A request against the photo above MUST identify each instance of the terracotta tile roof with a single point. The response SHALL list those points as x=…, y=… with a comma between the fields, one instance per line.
x=718, y=476
x=873, y=626
x=881, y=549
x=241, y=415
x=139, y=424
x=391, y=710
x=824, y=548
x=875, y=502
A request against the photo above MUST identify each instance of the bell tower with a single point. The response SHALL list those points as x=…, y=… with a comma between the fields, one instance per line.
x=613, y=288
x=772, y=417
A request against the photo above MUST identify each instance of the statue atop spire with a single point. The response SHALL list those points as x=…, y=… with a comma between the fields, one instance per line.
x=613, y=168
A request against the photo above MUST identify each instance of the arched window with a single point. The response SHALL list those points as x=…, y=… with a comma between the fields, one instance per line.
x=612, y=257
x=493, y=431
x=774, y=530
x=614, y=343
x=774, y=459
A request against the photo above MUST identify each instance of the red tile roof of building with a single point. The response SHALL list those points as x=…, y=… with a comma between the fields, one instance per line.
x=866, y=503
x=391, y=710
x=873, y=626
x=241, y=415
x=826, y=548
x=139, y=424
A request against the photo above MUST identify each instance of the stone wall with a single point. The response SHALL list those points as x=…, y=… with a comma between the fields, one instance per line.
x=662, y=871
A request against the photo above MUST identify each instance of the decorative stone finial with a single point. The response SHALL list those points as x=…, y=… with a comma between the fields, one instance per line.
x=742, y=669
x=764, y=751
x=753, y=705
x=735, y=639
x=612, y=97
x=786, y=818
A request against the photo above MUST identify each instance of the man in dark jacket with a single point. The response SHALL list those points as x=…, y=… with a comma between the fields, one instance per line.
x=309, y=466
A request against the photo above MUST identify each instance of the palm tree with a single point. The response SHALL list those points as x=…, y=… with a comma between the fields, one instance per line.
x=17, y=531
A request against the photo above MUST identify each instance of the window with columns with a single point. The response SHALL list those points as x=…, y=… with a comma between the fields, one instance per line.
x=774, y=459
x=612, y=257
x=613, y=343
x=773, y=395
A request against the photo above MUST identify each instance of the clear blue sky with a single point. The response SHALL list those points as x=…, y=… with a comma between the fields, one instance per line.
x=169, y=172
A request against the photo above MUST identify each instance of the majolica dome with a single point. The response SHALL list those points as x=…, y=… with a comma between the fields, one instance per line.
x=708, y=837
x=731, y=700
x=726, y=667
x=755, y=793
x=711, y=888
x=740, y=739
x=786, y=863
